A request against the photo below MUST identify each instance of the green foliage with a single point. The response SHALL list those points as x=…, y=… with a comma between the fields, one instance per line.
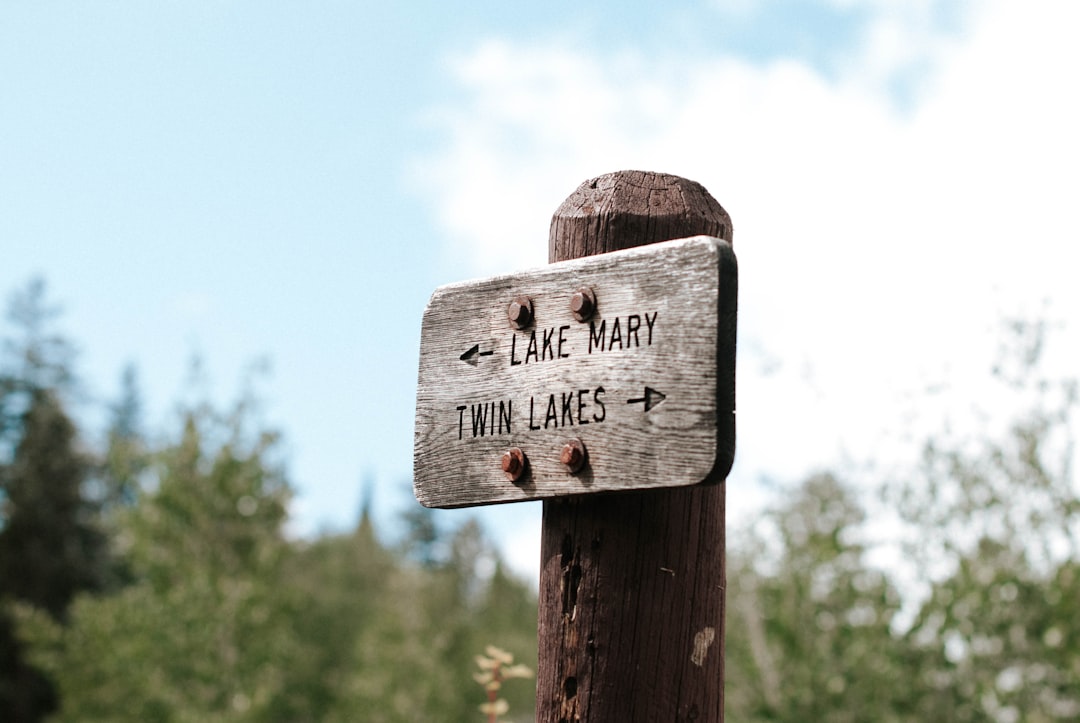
x=1010, y=481
x=50, y=545
x=36, y=356
x=126, y=457
x=998, y=640
x=206, y=610
x=998, y=637
x=810, y=640
x=190, y=639
x=49, y=548
x=992, y=519
x=226, y=619
x=413, y=662
x=216, y=505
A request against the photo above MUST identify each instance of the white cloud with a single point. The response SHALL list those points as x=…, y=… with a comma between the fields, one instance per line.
x=878, y=243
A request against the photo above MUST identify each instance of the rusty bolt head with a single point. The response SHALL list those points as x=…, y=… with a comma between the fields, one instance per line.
x=520, y=311
x=583, y=304
x=574, y=455
x=514, y=463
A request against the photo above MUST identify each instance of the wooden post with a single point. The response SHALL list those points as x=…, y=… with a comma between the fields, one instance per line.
x=631, y=621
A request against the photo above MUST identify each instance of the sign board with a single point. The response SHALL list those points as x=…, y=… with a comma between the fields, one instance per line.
x=607, y=373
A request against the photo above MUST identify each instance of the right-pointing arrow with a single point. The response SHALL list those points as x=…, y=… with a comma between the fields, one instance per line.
x=650, y=400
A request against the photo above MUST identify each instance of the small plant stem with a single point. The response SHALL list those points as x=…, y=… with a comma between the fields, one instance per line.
x=493, y=717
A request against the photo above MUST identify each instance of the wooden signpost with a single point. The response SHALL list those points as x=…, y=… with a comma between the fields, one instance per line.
x=607, y=361
x=611, y=370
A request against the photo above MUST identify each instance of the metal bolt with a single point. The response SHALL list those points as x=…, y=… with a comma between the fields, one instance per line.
x=583, y=304
x=514, y=463
x=520, y=311
x=574, y=455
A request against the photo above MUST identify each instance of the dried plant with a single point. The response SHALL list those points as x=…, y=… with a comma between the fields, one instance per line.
x=497, y=666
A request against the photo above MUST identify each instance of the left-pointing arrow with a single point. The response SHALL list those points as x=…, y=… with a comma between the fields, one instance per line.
x=470, y=356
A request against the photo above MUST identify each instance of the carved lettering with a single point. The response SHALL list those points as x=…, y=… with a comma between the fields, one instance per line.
x=479, y=419
x=552, y=344
x=650, y=323
x=505, y=413
x=633, y=323
x=598, y=402
x=597, y=335
x=531, y=351
x=546, y=351
x=562, y=329
x=621, y=333
x=616, y=334
x=567, y=402
x=562, y=409
x=488, y=418
x=581, y=404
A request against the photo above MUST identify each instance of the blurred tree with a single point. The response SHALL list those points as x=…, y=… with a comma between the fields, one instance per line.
x=1012, y=480
x=126, y=456
x=996, y=520
x=35, y=356
x=339, y=586
x=993, y=526
x=118, y=473
x=422, y=537
x=415, y=627
x=998, y=640
x=415, y=660
x=222, y=617
x=26, y=694
x=203, y=633
x=216, y=506
x=50, y=546
x=227, y=620
x=486, y=606
x=808, y=634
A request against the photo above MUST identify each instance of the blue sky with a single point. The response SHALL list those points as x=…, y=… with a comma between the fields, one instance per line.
x=290, y=181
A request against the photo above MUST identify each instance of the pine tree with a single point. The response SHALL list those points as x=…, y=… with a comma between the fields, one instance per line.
x=126, y=456
x=205, y=630
x=50, y=549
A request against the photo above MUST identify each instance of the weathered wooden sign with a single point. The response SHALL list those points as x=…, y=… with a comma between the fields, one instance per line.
x=607, y=373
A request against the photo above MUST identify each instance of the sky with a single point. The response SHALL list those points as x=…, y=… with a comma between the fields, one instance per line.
x=289, y=182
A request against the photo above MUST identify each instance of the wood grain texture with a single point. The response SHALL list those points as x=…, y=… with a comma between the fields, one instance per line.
x=632, y=584
x=636, y=382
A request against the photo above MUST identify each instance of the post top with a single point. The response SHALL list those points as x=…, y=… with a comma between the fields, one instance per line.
x=632, y=208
